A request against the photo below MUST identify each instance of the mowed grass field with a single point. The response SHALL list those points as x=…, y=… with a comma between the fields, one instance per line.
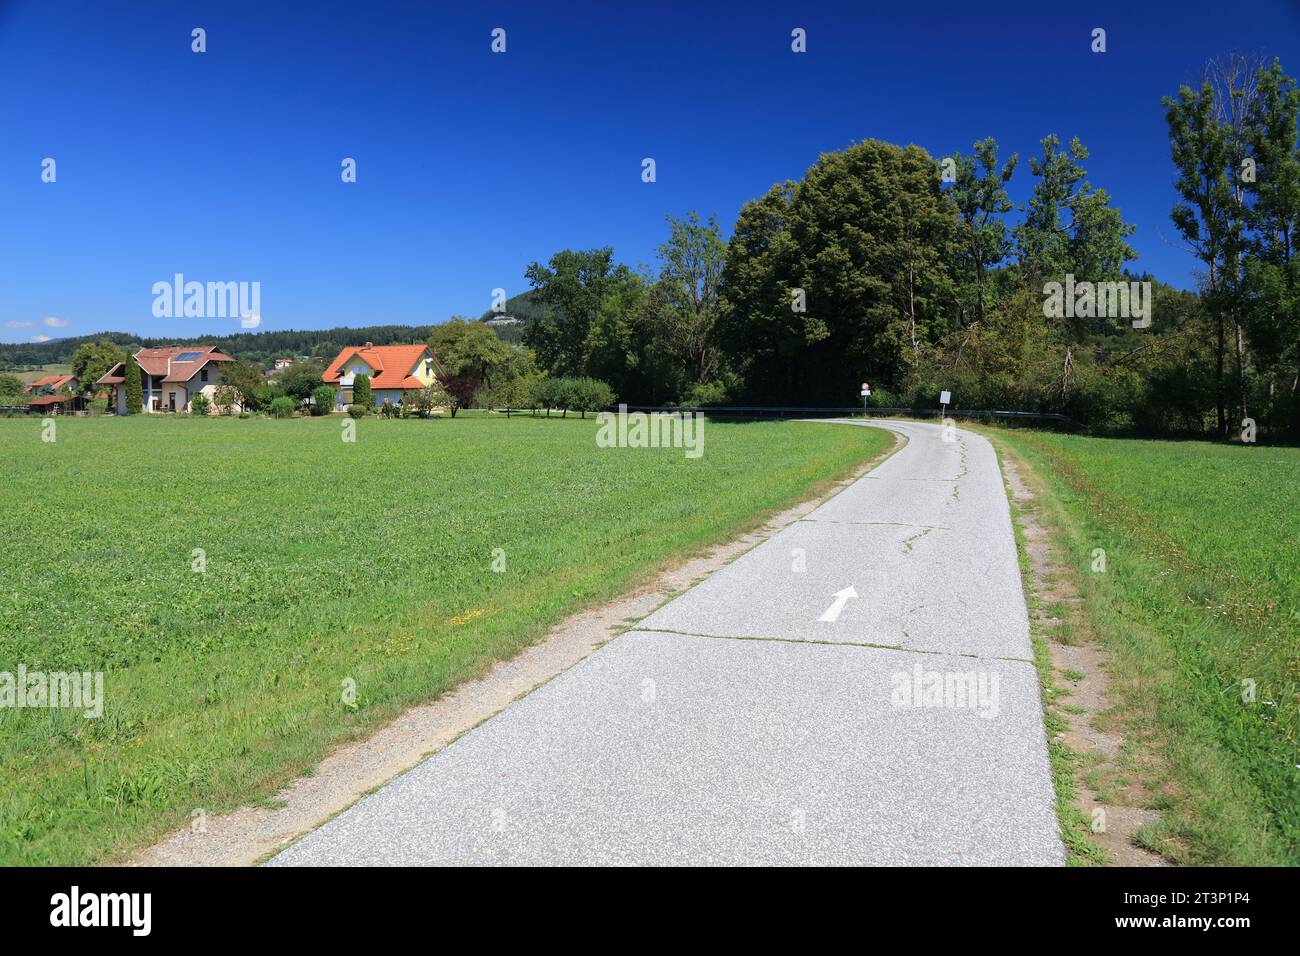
x=1200, y=593
x=325, y=562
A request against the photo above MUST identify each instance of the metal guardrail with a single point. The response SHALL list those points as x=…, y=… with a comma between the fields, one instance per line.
x=792, y=411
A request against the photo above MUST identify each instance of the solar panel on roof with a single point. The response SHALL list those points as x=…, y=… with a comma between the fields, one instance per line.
x=187, y=357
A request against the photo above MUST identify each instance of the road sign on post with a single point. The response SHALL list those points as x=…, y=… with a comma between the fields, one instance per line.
x=866, y=391
x=944, y=398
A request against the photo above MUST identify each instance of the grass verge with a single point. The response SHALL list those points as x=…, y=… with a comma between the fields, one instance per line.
x=1183, y=554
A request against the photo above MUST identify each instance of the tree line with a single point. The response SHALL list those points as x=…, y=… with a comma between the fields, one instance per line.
x=887, y=264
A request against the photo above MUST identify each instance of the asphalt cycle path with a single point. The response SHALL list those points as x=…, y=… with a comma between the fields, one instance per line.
x=857, y=689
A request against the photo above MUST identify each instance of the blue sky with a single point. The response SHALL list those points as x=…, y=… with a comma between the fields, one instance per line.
x=224, y=166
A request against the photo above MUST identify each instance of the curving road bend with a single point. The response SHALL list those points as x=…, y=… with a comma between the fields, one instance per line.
x=858, y=689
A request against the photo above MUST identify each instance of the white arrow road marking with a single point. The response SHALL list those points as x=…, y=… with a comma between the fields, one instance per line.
x=841, y=598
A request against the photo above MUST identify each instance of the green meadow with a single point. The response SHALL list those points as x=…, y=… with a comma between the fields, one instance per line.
x=1198, y=607
x=229, y=577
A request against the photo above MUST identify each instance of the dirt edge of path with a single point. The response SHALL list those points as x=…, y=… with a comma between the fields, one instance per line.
x=1076, y=691
x=250, y=834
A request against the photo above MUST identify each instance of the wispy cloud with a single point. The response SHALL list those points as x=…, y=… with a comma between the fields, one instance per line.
x=56, y=323
x=19, y=325
x=40, y=338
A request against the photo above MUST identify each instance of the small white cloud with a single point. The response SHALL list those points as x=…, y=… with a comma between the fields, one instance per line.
x=40, y=338
x=19, y=325
x=54, y=323
x=250, y=321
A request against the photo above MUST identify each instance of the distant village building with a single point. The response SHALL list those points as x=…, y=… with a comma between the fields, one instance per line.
x=55, y=395
x=170, y=377
x=394, y=370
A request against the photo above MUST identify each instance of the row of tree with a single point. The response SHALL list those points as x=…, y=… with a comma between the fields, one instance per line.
x=886, y=264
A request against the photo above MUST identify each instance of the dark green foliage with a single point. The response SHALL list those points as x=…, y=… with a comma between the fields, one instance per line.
x=862, y=245
x=361, y=392
x=199, y=405
x=322, y=400
x=984, y=241
x=248, y=383
x=134, y=387
x=282, y=407
x=92, y=360
x=301, y=379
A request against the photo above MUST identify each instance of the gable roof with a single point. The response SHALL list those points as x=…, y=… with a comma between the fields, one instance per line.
x=163, y=362
x=55, y=382
x=392, y=364
x=113, y=376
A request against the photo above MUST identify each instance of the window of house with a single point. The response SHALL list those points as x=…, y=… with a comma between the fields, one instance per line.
x=203, y=375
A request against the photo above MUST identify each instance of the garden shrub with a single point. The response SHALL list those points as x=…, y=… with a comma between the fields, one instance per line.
x=283, y=407
x=323, y=398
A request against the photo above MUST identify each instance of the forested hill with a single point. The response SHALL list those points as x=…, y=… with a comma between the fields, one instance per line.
x=254, y=346
x=520, y=310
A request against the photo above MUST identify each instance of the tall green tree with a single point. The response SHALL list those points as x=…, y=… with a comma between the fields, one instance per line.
x=1208, y=141
x=980, y=194
x=1069, y=227
x=617, y=345
x=839, y=277
x=133, y=387
x=466, y=347
x=690, y=276
x=92, y=360
x=472, y=356
x=362, y=394
x=301, y=379
x=1272, y=268
x=248, y=381
x=572, y=288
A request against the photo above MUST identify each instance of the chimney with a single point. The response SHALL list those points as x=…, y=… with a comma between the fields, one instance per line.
x=370, y=345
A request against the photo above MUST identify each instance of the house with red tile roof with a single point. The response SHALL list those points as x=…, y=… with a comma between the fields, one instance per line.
x=170, y=377
x=59, y=403
x=51, y=384
x=394, y=371
x=54, y=395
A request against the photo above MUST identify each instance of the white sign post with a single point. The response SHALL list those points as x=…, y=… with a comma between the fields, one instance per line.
x=866, y=390
x=944, y=398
